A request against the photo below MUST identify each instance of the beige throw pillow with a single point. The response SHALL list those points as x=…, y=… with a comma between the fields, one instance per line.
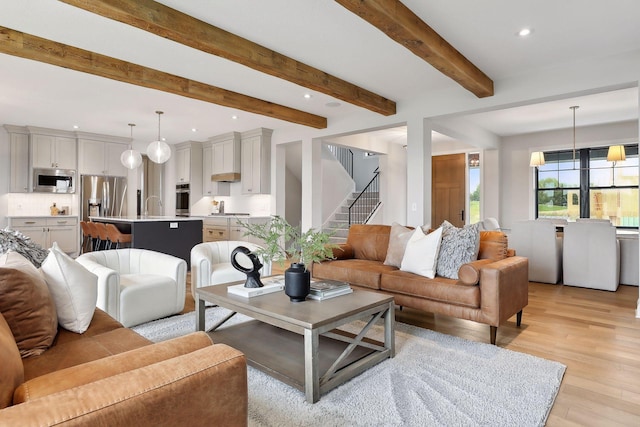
x=398, y=238
x=73, y=287
x=26, y=305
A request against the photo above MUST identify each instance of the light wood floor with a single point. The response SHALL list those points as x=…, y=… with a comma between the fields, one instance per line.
x=594, y=333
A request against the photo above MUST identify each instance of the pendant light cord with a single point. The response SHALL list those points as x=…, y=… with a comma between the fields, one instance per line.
x=131, y=125
x=159, y=113
x=574, y=134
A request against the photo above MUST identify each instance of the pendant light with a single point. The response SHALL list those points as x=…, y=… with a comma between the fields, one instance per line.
x=131, y=158
x=159, y=151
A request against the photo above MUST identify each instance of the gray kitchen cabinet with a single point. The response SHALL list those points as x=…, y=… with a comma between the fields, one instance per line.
x=19, y=154
x=45, y=230
x=256, y=161
x=51, y=151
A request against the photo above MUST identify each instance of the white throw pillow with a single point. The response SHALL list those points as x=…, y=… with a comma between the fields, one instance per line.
x=74, y=289
x=421, y=253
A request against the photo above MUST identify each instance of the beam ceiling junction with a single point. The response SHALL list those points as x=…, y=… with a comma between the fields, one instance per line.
x=405, y=27
x=28, y=46
x=169, y=23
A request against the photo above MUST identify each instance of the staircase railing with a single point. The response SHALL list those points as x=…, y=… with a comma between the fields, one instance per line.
x=344, y=155
x=366, y=202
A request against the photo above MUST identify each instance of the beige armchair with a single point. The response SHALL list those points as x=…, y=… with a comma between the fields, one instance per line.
x=137, y=285
x=591, y=255
x=211, y=264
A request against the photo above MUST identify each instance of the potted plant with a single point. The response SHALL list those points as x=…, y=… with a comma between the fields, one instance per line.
x=304, y=248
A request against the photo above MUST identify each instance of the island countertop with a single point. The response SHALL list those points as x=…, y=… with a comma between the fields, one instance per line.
x=150, y=218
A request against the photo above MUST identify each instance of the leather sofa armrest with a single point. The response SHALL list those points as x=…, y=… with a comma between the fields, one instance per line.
x=164, y=393
x=504, y=289
x=343, y=251
x=511, y=252
x=85, y=373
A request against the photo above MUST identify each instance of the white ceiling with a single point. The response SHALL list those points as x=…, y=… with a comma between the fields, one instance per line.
x=321, y=34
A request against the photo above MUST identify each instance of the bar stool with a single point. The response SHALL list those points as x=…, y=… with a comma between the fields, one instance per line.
x=116, y=236
x=87, y=238
x=100, y=230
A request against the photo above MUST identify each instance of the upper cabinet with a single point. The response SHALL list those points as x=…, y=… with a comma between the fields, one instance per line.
x=225, y=164
x=19, y=154
x=209, y=187
x=256, y=161
x=100, y=155
x=51, y=151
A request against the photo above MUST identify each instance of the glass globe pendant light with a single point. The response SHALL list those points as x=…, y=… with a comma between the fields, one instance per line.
x=159, y=151
x=131, y=158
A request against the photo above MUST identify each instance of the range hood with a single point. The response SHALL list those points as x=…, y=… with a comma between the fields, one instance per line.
x=226, y=177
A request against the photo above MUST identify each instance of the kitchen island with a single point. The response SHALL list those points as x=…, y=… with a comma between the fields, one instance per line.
x=167, y=234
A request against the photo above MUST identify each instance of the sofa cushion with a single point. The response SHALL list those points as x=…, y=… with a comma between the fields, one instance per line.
x=74, y=289
x=26, y=305
x=493, y=245
x=369, y=241
x=362, y=272
x=12, y=372
x=440, y=289
x=459, y=246
x=398, y=238
x=421, y=253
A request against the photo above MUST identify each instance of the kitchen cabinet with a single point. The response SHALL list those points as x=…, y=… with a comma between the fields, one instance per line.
x=211, y=188
x=101, y=157
x=256, y=161
x=19, y=159
x=49, y=151
x=226, y=156
x=215, y=229
x=45, y=230
x=188, y=162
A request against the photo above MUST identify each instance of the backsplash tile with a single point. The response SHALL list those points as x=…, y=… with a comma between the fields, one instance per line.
x=38, y=204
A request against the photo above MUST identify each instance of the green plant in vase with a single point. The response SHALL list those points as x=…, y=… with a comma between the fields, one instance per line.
x=304, y=248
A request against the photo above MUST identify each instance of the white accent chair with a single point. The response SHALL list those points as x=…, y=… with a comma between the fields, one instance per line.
x=211, y=264
x=137, y=285
x=490, y=224
x=591, y=255
x=629, y=260
x=538, y=241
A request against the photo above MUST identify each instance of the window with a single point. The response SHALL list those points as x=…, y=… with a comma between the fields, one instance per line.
x=591, y=187
x=474, y=188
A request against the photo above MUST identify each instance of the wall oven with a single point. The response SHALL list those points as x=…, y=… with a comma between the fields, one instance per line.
x=182, y=200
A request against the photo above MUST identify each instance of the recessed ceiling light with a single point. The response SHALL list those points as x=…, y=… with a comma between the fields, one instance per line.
x=234, y=117
x=76, y=127
x=332, y=104
x=525, y=32
x=194, y=130
x=307, y=96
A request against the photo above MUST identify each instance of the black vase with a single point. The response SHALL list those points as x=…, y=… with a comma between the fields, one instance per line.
x=297, y=282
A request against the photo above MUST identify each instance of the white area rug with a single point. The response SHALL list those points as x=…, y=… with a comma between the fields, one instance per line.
x=434, y=380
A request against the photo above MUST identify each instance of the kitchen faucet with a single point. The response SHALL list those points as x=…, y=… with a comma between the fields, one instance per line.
x=146, y=204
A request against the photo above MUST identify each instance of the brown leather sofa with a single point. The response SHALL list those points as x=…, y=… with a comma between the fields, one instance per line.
x=490, y=290
x=111, y=376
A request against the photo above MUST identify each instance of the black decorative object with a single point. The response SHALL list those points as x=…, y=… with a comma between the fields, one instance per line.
x=297, y=282
x=253, y=274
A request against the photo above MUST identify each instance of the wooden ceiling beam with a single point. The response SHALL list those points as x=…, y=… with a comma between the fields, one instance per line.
x=169, y=23
x=27, y=46
x=402, y=25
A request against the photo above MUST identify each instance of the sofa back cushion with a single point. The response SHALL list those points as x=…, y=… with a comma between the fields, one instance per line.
x=12, y=371
x=26, y=304
x=493, y=245
x=369, y=241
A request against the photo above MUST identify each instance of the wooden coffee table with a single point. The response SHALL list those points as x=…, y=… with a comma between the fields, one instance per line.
x=300, y=343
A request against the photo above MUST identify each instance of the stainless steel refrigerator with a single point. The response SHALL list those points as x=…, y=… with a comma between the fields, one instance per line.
x=103, y=196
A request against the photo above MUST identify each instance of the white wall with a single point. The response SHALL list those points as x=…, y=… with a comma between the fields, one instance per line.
x=517, y=177
x=337, y=185
x=293, y=198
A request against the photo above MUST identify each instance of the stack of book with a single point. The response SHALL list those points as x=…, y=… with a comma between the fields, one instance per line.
x=325, y=289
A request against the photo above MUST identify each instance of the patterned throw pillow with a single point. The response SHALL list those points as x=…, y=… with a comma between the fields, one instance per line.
x=459, y=246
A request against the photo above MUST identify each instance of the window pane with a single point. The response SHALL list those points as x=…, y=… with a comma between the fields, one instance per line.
x=620, y=205
x=559, y=204
x=570, y=178
x=474, y=188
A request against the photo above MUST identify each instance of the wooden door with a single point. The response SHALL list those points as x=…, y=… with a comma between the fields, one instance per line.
x=448, y=190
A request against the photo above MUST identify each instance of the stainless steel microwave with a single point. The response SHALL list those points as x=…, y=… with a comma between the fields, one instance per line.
x=54, y=180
